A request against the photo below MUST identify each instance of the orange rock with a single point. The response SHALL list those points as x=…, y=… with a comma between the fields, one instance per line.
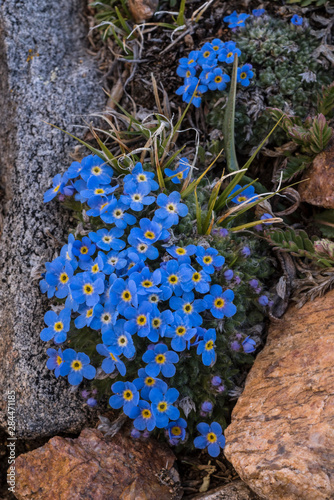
x=98, y=468
x=281, y=438
x=141, y=10
x=318, y=189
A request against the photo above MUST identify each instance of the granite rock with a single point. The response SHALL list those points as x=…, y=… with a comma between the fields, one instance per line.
x=98, y=467
x=317, y=188
x=236, y=490
x=281, y=438
x=46, y=76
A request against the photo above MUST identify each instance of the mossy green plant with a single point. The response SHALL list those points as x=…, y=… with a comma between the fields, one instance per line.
x=287, y=76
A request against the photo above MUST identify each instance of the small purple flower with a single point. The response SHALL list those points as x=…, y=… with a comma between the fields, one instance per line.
x=206, y=407
x=263, y=300
x=254, y=283
x=228, y=274
x=235, y=346
x=246, y=251
x=92, y=402
x=216, y=381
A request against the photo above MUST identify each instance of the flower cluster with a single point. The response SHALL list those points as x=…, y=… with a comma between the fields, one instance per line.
x=211, y=76
x=114, y=283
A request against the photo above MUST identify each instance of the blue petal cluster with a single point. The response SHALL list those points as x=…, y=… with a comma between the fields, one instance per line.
x=114, y=282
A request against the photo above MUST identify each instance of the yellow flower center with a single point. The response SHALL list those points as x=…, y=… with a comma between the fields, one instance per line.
x=147, y=284
x=146, y=413
x=88, y=289
x=107, y=239
x=196, y=277
x=209, y=345
x=215, y=47
x=156, y=322
x=219, y=303
x=230, y=54
x=96, y=170
x=190, y=61
x=95, y=268
x=59, y=360
x=171, y=208
x=218, y=79
x=180, y=331
x=126, y=296
x=188, y=74
x=176, y=431
x=136, y=197
x=173, y=279
x=149, y=235
x=106, y=318
x=89, y=313
x=206, y=54
x=76, y=365
x=58, y=326
x=113, y=357
x=149, y=381
x=187, y=308
x=160, y=359
x=141, y=320
x=128, y=395
x=56, y=188
x=122, y=340
x=83, y=250
x=162, y=407
x=207, y=259
x=142, y=248
x=64, y=278
x=141, y=178
x=180, y=251
x=211, y=437
x=118, y=213
x=99, y=191
x=243, y=76
x=242, y=198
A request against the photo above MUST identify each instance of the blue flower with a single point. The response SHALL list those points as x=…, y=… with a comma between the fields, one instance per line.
x=123, y=294
x=211, y=438
x=85, y=318
x=140, y=176
x=46, y=288
x=85, y=289
x=206, y=407
x=111, y=360
x=113, y=261
x=55, y=360
x=159, y=322
x=108, y=240
x=266, y=217
x=74, y=170
x=126, y=395
x=76, y=366
x=95, y=170
x=115, y=213
x=180, y=331
x=189, y=308
x=59, y=274
x=244, y=74
x=67, y=254
x=94, y=267
x=219, y=80
x=198, y=280
x=145, y=384
x=83, y=249
x=228, y=274
x=139, y=319
x=144, y=416
x=206, y=347
x=207, y=54
x=104, y=317
x=177, y=431
x=58, y=326
x=217, y=45
x=96, y=194
x=136, y=196
x=191, y=90
x=263, y=300
x=249, y=345
x=149, y=232
x=58, y=184
x=258, y=12
x=119, y=339
x=171, y=208
x=176, y=276
x=146, y=281
x=186, y=72
x=135, y=262
x=209, y=259
x=245, y=195
x=161, y=360
x=297, y=20
x=236, y=20
x=182, y=254
x=190, y=61
x=220, y=303
x=228, y=53
x=162, y=406
x=180, y=173
x=207, y=73
x=246, y=251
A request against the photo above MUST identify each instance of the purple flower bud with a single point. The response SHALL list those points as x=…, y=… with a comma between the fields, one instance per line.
x=91, y=402
x=228, y=274
x=263, y=300
x=94, y=392
x=246, y=252
x=237, y=280
x=135, y=434
x=249, y=345
x=61, y=197
x=146, y=434
x=216, y=381
x=206, y=407
x=258, y=290
x=68, y=190
x=235, y=346
x=254, y=283
x=85, y=394
x=258, y=227
x=223, y=232
x=221, y=388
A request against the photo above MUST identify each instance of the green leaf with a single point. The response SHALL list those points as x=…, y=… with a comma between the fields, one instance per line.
x=228, y=126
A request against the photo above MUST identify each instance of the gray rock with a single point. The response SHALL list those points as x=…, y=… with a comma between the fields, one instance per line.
x=237, y=490
x=46, y=74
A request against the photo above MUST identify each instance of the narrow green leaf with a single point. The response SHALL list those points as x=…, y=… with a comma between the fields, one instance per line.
x=229, y=118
